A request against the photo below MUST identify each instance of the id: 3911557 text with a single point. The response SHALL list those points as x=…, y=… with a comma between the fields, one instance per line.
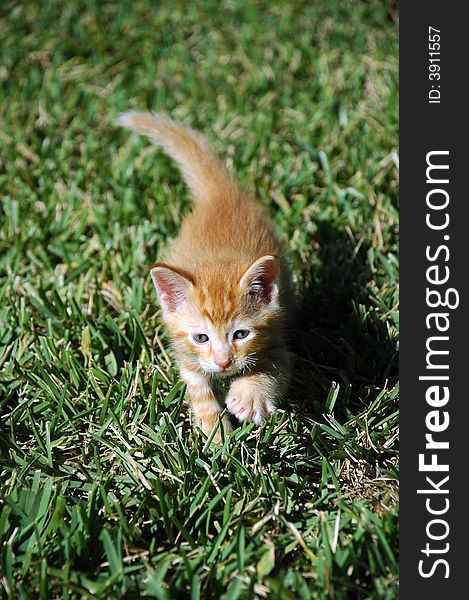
x=434, y=68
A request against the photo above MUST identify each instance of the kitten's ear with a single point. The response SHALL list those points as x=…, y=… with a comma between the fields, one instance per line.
x=172, y=286
x=261, y=279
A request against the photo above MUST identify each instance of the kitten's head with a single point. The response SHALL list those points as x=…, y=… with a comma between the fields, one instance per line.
x=221, y=320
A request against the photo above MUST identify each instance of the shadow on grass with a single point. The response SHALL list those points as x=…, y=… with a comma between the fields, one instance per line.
x=340, y=336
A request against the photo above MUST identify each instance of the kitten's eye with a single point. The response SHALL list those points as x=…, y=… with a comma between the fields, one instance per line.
x=200, y=338
x=240, y=334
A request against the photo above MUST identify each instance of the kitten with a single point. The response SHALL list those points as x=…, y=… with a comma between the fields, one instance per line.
x=222, y=286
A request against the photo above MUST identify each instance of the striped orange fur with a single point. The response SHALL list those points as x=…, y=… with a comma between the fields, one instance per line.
x=222, y=285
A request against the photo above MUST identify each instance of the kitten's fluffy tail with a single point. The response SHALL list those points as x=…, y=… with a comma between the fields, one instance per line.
x=203, y=172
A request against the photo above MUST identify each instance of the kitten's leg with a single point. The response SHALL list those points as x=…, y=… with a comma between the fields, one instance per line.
x=204, y=404
x=253, y=397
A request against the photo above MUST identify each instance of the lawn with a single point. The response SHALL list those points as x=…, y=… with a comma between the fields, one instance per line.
x=105, y=489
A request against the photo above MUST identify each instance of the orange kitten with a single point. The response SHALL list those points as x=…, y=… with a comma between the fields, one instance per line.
x=222, y=286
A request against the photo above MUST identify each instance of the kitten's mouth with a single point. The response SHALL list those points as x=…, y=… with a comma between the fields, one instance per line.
x=227, y=372
x=235, y=368
x=222, y=373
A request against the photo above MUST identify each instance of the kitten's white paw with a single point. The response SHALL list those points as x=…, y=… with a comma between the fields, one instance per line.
x=247, y=403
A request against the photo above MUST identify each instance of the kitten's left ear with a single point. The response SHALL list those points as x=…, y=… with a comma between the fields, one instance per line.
x=261, y=279
x=172, y=286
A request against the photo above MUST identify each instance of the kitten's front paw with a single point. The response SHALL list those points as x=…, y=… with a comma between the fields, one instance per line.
x=246, y=401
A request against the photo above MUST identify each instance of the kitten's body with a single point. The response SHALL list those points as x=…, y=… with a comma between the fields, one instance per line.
x=221, y=278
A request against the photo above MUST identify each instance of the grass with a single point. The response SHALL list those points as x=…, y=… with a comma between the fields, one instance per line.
x=106, y=492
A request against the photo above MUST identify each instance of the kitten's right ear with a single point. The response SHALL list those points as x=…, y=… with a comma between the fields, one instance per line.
x=172, y=286
x=261, y=279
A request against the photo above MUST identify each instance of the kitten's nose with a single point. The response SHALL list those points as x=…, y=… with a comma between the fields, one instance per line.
x=224, y=363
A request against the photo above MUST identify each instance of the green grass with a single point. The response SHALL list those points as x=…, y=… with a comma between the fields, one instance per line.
x=106, y=492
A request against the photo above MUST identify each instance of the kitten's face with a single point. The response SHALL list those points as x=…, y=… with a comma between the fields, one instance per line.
x=220, y=327
x=221, y=347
